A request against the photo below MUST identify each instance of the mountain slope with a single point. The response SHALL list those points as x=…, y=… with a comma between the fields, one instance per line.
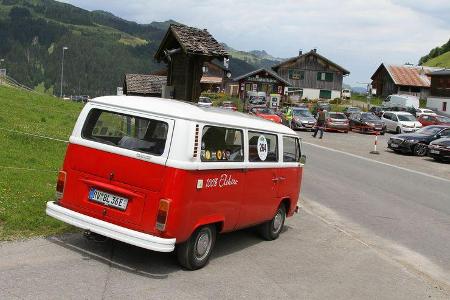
x=442, y=60
x=102, y=47
x=432, y=58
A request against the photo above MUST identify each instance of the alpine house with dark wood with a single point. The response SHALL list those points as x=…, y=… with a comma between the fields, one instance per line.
x=312, y=76
x=186, y=50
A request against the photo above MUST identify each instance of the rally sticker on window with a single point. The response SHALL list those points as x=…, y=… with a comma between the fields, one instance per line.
x=262, y=147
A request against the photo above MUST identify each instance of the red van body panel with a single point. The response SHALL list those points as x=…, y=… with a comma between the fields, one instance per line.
x=232, y=198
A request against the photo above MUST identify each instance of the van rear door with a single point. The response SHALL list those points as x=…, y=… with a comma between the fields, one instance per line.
x=115, y=169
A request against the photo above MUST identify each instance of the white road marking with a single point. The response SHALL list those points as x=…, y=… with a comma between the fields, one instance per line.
x=376, y=161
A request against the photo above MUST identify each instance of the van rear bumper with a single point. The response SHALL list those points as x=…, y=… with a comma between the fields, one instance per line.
x=116, y=232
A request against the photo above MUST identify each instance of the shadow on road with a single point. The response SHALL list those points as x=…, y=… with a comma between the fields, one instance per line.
x=151, y=264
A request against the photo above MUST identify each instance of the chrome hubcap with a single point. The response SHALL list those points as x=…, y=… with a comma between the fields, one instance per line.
x=277, y=222
x=203, y=245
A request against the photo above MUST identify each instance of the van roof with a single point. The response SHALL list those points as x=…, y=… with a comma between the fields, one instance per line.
x=189, y=111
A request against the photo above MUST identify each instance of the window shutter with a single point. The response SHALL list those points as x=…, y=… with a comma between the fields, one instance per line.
x=319, y=76
x=329, y=77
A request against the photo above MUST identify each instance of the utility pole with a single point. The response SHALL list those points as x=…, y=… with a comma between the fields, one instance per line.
x=62, y=70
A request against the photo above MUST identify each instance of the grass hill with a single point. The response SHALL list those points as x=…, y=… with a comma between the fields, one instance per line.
x=29, y=164
x=102, y=47
x=442, y=60
x=437, y=57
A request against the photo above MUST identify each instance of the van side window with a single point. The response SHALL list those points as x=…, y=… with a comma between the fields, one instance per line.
x=263, y=147
x=126, y=131
x=387, y=116
x=291, y=149
x=222, y=144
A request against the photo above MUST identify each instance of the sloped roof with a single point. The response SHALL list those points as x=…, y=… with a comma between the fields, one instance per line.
x=143, y=84
x=211, y=79
x=445, y=72
x=273, y=74
x=407, y=75
x=193, y=41
x=312, y=52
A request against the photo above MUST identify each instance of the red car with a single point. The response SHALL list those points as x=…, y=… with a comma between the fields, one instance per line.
x=427, y=120
x=266, y=113
x=229, y=105
x=337, y=121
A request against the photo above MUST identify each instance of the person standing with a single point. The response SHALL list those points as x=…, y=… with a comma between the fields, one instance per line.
x=289, y=116
x=320, y=123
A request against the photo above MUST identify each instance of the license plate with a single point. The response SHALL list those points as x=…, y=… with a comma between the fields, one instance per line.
x=394, y=145
x=108, y=199
x=435, y=151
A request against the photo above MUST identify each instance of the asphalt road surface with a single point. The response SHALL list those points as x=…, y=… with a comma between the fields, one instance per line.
x=366, y=231
x=404, y=215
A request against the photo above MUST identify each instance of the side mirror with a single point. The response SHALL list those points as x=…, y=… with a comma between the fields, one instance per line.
x=303, y=159
x=438, y=136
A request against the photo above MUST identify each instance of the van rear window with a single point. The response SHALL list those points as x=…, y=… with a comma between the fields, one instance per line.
x=222, y=144
x=126, y=131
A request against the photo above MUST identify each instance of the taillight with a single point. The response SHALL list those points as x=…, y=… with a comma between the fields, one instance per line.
x=161, y=217
x=60, y=184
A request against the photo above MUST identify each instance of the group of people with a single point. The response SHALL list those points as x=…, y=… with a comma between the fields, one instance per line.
x=320, y=121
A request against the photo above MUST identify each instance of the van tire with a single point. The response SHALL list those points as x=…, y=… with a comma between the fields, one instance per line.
x=271, y=230
x=193, y=255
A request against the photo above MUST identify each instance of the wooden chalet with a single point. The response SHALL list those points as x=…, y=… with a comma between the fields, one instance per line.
x=439, y=98
x=186, y=50
x=402, y=79
x=261, y=80
x=312, y=75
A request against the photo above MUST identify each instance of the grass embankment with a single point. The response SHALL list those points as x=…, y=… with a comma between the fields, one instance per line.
x=29, y=165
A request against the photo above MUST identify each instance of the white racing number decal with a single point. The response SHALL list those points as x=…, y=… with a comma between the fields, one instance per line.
x=222, y=181
x=262, y=148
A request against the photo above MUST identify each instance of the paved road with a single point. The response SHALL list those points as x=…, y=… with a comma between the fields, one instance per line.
x=405, y=215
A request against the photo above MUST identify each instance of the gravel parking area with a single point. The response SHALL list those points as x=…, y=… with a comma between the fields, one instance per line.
x=361, y=145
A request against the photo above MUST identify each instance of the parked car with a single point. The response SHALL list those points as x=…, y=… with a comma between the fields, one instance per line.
x=324, y=105
x=336, y=121
x=351, y=110
x=400, y=122
x=255, y=99
x=146, y=181
x=427, y=120
x=440, y=149
x=424, y=111
x=401, y=101
x=417, y=143
x=229, y=105
x=346, y=94
x=266, y=113
x=205, y=102
x=302, y=119
x=377, y=110
x=366, y=122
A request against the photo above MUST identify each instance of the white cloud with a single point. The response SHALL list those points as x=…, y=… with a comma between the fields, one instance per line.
x=357, y=34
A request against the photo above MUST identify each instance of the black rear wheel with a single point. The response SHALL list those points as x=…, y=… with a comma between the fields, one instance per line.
x=271, y=230
x=195, y=252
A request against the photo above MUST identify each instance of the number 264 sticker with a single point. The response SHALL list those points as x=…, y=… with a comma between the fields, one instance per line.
x=262, y=148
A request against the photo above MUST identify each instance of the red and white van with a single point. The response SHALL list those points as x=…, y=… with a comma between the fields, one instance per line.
x=159, y=173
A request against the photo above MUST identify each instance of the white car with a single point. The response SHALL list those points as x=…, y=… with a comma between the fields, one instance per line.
x=346, y=94
x=424, y=111
x=400, y=122
x=204, y=102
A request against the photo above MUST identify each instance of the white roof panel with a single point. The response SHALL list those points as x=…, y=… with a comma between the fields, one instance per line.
x=190, y=111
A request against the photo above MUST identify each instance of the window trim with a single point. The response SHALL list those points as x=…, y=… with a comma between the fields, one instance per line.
x=224, y=161
x=264, y=161
x=297, y=146
x=126, y=114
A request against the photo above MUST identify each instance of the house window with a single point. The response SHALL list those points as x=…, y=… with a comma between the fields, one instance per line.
x=325, y=94
x=296, y=74
x=324, y=76
x=415, y=89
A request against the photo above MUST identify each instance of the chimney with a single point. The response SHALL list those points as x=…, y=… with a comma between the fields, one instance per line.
x=300, y=52
x=315, y=50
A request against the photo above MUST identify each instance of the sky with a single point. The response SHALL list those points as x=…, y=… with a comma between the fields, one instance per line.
x=357, y=34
